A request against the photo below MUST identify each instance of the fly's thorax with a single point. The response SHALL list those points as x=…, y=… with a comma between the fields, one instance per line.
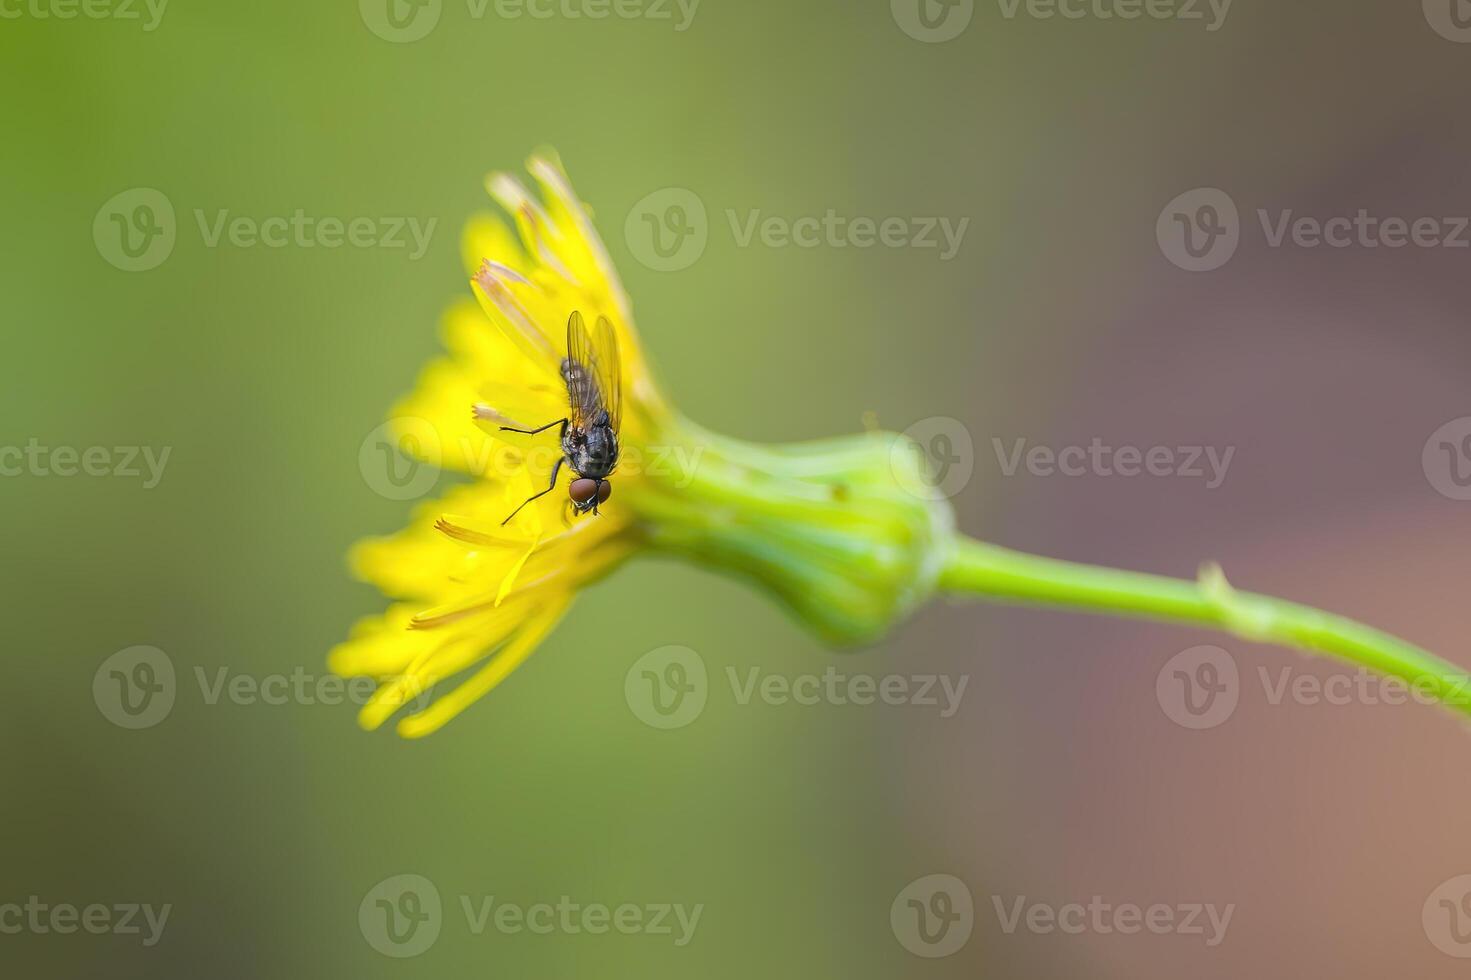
x=593, y=452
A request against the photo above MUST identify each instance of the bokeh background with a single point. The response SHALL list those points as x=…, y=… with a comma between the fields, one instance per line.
x=1060, y=319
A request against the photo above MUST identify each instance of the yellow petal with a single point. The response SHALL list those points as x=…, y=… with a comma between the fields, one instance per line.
x=380, y=646
x=435, y=420
x=487, y=237
x=515, y=571
x=423, y=562
x=445, y=659
x=506, y=303
x=485, y=680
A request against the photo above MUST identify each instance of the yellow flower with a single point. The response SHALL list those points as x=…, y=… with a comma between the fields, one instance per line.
x=472, y=587
x=847, y=533
x=824, y=525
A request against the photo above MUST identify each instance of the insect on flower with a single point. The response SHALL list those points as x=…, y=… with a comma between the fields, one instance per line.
x=589, y=433
x=846, y=532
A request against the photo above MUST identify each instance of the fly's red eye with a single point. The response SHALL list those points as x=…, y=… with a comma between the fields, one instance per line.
x=581, y=491
x=605, y=490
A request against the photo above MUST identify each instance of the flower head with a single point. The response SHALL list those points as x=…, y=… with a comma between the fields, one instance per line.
x=835, y=529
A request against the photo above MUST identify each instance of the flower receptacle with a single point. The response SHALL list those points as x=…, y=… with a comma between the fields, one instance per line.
x=848, y=533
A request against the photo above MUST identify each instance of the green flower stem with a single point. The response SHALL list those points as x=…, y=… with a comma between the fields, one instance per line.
x=989, y=572
x=846, y=533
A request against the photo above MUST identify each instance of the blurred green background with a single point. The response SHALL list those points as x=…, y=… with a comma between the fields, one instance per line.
x=264, y=369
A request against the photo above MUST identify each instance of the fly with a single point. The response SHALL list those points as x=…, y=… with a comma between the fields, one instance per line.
x=593, y=375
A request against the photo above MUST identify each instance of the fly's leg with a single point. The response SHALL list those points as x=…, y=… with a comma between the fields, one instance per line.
x=532, y=432
x=555, y=469
x=550, y=487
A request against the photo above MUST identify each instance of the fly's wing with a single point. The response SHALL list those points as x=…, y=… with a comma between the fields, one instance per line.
x=608, y=368
x=584, y=393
